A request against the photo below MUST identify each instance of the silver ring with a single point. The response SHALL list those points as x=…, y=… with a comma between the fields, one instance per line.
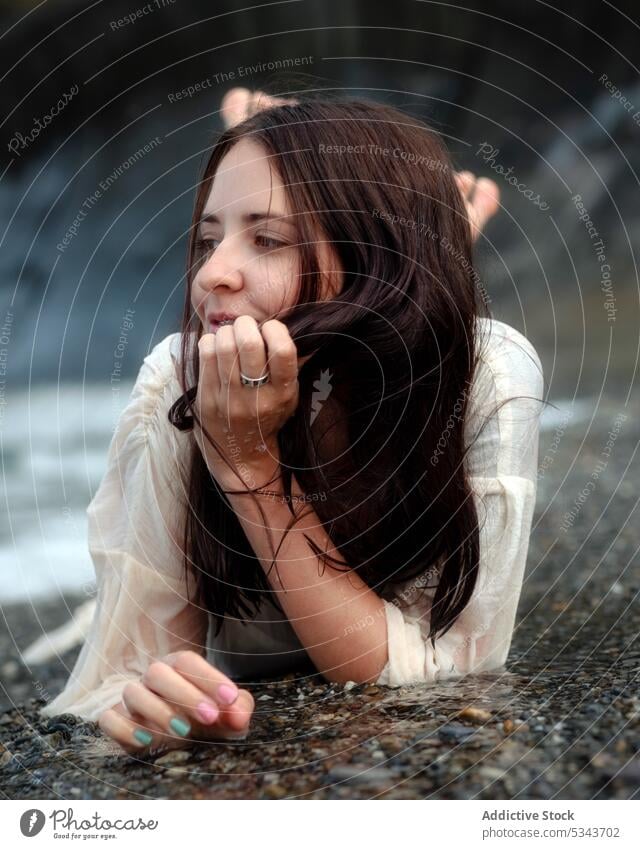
x=254, y=381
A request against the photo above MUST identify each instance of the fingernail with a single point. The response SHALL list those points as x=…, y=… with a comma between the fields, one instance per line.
x=142, y=736
x=207, y=712
x=181, y=727
x=226, y=694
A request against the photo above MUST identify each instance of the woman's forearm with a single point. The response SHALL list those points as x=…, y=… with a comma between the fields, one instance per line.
x=338, y=619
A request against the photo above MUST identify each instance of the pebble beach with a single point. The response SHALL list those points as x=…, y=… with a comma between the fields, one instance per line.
x=560, y=721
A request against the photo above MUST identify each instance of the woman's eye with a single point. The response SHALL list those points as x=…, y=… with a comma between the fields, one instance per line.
x=207, y=245
x=266, y=242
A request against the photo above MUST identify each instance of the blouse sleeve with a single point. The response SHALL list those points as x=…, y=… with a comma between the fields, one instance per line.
x=502, y=467
x=134, y=535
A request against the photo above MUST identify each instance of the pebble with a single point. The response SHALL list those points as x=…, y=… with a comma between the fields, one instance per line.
x=455, y=732
x=275, y=791
x=432, y=736
x=177, y=756
x=53, y=740
x=359, y=774
x=178, y=771
x=476, y=715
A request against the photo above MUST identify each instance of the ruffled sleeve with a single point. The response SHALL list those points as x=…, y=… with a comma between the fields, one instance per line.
x=502, y=467
x=135, y=534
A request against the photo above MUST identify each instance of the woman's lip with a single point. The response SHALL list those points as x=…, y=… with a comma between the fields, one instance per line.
x=214, y=325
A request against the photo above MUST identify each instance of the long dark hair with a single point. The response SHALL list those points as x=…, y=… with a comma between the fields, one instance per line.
x=399, y=344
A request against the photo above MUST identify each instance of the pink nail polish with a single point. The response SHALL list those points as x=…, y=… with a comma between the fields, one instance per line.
x=207, y=713
x=226, y=694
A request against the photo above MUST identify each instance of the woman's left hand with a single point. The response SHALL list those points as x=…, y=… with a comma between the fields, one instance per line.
x=244, y=421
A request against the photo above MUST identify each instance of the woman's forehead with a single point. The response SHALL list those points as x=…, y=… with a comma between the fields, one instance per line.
x=247, y=177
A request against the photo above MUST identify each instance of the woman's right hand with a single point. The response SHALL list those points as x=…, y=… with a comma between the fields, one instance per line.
x=180, y=699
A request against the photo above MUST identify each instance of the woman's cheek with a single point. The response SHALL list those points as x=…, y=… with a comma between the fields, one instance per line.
x=283, y=283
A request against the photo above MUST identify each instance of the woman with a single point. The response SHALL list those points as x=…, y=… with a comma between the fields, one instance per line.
x=340, y=477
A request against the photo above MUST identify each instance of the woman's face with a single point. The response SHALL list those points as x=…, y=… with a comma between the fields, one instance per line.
x=250, y=262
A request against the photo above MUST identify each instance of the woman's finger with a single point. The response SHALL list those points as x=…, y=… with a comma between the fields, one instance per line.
x=204, y=676
x=209, y=376
x=166, y=703
x=132, y=734
x=227, y=359
x=282, y=353
x=189, y=700
x=236, y=706
x=251, y=347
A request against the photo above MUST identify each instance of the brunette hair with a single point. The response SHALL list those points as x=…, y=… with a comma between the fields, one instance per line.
x=399, y=343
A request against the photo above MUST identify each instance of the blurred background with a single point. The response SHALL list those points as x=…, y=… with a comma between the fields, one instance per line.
x=100, y=153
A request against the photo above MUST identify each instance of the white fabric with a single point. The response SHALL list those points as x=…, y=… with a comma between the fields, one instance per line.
x=135, y=533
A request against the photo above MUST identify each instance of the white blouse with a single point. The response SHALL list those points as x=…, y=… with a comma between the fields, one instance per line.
x=135, y=531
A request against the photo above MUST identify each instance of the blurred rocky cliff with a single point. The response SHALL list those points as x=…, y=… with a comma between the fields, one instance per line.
x=109, y=108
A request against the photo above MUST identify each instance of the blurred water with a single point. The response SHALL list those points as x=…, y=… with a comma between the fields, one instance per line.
x=54, y=445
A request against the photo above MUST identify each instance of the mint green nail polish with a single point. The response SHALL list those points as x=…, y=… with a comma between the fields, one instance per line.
x=142, y=736
x=180, y=726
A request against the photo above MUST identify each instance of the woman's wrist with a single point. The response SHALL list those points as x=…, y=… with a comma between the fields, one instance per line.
x=260, y=470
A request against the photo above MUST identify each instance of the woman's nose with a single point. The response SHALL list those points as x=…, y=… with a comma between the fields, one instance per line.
x=223, y=268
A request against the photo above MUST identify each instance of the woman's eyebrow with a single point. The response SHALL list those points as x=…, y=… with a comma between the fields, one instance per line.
x=250, y=217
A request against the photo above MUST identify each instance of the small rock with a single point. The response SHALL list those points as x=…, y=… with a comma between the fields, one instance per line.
x=178, y=756
x=5, y=758
x=511, y=727
x=350, y=685
x=53, y=740
x=391, y=743
x=275, y=791
x=359, y=774
x=475, y=715
x=177, y=771
x=265, y=697
x=492, y=773
x=455, y=732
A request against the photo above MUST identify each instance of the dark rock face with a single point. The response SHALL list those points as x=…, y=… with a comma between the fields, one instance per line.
x=519, y=95
x=560, y=722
